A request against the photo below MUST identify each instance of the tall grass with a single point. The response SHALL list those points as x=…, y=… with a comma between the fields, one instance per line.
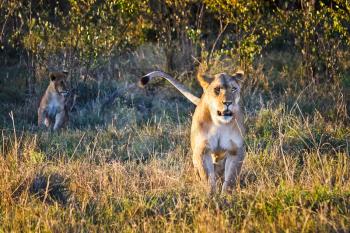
x=129, y=169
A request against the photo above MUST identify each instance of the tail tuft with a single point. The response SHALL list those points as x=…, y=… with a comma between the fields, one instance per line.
x=144, y=80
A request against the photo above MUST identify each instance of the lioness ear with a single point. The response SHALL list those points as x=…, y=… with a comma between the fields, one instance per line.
x=52, y=76
x=238, y=76
x=204, y=80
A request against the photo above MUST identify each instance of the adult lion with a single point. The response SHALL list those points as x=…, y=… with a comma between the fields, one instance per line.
x=217, y=126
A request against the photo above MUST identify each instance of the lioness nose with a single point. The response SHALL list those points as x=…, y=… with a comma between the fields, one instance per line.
x=227, y=103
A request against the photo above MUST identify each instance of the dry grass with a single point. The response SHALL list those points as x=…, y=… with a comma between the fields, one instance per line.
x=128, y=170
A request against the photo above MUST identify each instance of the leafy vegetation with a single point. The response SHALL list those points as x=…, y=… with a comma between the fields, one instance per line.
x=126, y=166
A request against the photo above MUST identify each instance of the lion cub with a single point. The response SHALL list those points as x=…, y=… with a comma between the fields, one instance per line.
x=217, y=127
x=53, y=109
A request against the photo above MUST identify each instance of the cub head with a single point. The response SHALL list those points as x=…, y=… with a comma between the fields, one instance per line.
x=222, y=94
x=59, y=81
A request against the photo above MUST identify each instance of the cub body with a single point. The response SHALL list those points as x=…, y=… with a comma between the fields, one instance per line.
x=53, y=112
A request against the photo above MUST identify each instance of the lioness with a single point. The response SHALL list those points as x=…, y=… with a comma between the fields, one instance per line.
x=217, y=126
x=53, y=109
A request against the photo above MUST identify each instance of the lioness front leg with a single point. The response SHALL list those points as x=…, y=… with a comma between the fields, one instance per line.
x=203, y=163
x=59, y=120
x=233, y=167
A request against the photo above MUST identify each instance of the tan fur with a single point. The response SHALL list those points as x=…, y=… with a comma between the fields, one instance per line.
x=217, y=128
x=53, y=110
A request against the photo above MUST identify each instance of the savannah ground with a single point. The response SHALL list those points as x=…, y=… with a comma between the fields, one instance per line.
x=126, y=166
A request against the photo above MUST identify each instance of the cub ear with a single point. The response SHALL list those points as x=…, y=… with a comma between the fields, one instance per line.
x=238, y=76
x=52, y=76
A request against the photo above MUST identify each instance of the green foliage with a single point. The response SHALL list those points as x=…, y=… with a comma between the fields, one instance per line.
x=319, y=32
x=89, y=32
x=252, y=25
x=88, y=29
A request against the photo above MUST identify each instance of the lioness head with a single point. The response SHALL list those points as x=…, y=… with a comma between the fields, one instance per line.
x=222, y=93
x=59, y=81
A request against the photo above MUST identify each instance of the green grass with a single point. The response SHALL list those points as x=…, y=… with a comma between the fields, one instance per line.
x=129, y=168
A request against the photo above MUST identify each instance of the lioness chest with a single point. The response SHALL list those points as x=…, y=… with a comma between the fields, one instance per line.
x=222, y=140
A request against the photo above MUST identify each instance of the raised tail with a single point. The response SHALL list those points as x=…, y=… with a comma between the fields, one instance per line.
x=145, y=79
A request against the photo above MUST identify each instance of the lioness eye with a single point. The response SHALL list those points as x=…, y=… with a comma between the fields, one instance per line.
x=234, y=89
x=217, y=90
